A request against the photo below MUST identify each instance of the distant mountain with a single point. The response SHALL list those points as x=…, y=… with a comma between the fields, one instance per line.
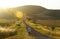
x=41, y=15
x=32, y=11
x=38, y=12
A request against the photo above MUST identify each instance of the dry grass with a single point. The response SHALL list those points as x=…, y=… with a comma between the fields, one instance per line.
x=21, y=33
x=43, y=30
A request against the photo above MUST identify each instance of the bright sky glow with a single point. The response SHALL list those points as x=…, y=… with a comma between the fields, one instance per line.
x=50, y=4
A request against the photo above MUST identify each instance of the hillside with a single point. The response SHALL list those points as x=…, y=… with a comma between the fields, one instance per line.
x=55, y=14
x=7, y=14
x=39, y=12
x=41, y=15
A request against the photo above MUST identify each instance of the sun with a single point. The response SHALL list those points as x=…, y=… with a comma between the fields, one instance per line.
x=19, y=14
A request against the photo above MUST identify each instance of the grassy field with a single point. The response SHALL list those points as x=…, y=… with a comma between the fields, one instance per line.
x=21, y=33
x=46, y=30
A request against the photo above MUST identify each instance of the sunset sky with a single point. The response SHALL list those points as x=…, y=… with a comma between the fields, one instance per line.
x=50, y=4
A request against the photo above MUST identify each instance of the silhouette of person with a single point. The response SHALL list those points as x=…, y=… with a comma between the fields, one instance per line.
x=29, y=30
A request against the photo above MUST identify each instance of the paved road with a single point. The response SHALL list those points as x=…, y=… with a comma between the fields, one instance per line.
x=35, y=34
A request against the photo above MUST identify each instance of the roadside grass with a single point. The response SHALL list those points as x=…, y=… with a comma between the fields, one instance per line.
x=21, y=33
x=45, y=30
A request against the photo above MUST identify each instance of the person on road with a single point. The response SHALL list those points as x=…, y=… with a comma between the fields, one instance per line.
x=29, y=30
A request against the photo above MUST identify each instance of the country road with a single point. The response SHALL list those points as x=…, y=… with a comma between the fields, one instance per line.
x=36, y=34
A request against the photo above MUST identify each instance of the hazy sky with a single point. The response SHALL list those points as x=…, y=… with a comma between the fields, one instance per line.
x=50, y=4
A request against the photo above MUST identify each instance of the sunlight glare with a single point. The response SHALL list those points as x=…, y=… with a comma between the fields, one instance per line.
x=19, y=14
